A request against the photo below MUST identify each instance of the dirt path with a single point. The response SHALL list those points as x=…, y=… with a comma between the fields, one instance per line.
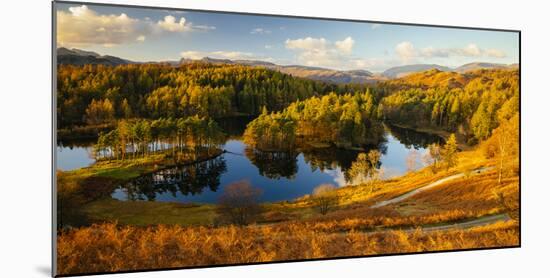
x=482, y=221
x=426, y=187
x=485, y=220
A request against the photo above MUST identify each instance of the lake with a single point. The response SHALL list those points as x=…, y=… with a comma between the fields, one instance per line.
x=72, y=155
x=280, y=176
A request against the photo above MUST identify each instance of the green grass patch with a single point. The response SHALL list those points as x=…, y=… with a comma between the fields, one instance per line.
x=143, y=213
x=86, y=194
x=120, y=173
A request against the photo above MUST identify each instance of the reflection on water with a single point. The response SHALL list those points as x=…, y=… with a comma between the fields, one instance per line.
x=234, y=126
x=280, y=175
x=400, y=143
x=414, y=139
x=294, y=178
x=274, y=165
x=184, y=180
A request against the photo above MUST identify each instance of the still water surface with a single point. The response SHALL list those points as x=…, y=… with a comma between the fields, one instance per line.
x=280, y=176
x=74, y=155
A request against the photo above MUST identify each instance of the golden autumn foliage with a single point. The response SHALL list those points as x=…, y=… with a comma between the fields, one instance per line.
x=108, y=247
x=431, y=79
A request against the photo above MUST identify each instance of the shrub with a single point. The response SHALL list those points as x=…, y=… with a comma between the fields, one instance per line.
x=324, y=197
x=239, y=203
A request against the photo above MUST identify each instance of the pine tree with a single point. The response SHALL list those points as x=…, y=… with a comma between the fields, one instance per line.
x=450, y=151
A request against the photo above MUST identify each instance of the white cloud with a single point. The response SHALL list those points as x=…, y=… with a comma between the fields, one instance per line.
x=346, y=45
x=321, y=52
x=170, y=23
x=308, y=43
x=407, y=52
x=376, y=64
x=82, y=26
x=375, y=26
x=309, y=51
x=496, y=53
x=80, y=11
x=203, y=27
x=434, y=52
x=314, y=51
x=470, y=50
x=232, y=54
x=260, y=31
x=338, y=176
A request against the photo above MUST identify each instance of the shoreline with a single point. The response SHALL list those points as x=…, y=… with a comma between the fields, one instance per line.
x=123, y=171
x=440, y=133
x=92, y=186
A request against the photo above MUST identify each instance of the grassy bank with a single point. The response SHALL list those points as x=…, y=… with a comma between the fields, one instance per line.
x=143, y=213
x=84, y=194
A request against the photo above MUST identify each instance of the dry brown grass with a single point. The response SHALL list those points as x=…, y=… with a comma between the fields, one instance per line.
x=472, y=196
x=456, y=201
x=108, y=247
x=476, y=195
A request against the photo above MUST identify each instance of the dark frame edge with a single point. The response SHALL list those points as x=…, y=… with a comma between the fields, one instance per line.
x=54, y=137
x=519, y=153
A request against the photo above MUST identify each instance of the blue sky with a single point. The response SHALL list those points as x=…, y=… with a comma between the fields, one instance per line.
x=156, y=35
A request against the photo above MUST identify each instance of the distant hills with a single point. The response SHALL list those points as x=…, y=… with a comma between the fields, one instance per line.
x=476, y=66
x=81, y=57
x=335, y=76
x=315, y=73
x=401, y=71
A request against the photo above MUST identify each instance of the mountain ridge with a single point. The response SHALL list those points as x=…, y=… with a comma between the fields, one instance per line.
x=401, y=71
x=315, y=73
x=80, y=57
